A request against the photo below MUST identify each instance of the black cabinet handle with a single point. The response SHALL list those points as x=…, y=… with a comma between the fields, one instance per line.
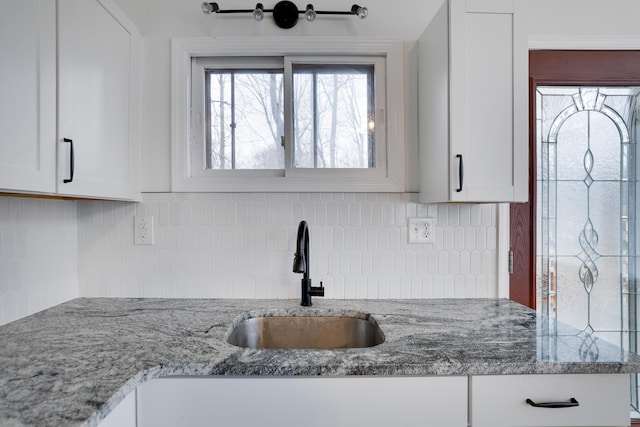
x=571, y=403
x=460, y=172
x=72, y=161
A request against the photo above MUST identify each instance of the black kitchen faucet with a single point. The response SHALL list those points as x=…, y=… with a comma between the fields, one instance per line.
x=301, y=265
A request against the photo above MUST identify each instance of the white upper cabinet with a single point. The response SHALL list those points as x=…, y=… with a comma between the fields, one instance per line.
x=28, y=101
x=91, y=87
x=98, y=101
x=473, y=121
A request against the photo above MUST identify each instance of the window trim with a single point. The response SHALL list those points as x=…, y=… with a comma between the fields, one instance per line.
x=311, y=180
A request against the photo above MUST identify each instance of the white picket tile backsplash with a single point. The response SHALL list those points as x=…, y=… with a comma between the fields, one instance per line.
x=241, y=246
x=38, y=255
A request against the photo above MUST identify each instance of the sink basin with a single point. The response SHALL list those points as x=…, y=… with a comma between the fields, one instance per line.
x=306, y=332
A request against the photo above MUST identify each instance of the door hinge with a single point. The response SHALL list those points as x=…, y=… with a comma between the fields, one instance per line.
x=510, y=262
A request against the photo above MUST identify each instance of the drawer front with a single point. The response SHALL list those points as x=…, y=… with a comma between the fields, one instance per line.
x=501, y=400
x=304, y=401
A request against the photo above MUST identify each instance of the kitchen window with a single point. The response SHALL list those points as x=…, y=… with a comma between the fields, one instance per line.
x=238, y=108
x=334, y=115
x=276, y=116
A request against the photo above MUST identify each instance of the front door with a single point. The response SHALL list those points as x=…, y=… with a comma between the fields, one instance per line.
x=574, y=243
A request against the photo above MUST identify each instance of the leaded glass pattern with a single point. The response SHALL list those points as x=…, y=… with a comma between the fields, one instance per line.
x=586, y=211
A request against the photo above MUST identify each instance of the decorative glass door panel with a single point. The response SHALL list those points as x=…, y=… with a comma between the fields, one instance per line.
x=587, y=211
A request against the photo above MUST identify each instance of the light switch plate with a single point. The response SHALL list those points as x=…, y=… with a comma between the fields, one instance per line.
x=421, y=230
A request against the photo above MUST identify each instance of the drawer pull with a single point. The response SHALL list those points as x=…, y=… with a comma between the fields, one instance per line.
x=571, y=403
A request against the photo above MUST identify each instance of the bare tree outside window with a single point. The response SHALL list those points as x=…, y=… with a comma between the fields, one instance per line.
x=332, y=115
x=246, y=119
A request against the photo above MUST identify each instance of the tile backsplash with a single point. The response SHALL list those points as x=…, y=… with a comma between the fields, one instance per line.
x=241, y=245
x=38, y=255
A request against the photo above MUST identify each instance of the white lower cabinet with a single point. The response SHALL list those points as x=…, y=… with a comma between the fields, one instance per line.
x=459, y=401
x=501, y=400
x=309, y=402
x=123, y=415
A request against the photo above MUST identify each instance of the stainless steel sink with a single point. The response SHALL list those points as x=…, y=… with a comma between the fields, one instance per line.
x=306, y=332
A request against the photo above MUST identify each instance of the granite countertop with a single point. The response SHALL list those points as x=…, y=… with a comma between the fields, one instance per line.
x=71, y=364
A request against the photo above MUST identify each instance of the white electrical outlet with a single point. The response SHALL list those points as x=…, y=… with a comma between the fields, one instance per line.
x=421, y=230
x=143, y=230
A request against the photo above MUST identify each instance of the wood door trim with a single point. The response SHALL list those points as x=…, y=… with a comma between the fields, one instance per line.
x=584, y=67
x=522, y=283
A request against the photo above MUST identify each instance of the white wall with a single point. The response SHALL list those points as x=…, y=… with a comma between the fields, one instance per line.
x=38, y=255
x=182, y=265
x=37, y=270
x=242, y=245
x=159, y=21
x=565, y=20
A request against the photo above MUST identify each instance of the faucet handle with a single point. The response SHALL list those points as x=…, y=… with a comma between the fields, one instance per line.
x=317, y=291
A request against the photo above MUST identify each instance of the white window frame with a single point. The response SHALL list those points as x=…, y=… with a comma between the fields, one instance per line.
x=388, y=176
x=342, y=174
x=196, y=151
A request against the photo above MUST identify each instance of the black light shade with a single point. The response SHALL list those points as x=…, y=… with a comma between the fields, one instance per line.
x=285, y=13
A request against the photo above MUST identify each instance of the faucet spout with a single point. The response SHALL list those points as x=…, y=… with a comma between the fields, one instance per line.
x=301, y=265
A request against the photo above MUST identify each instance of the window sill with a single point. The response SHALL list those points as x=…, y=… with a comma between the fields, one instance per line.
x=267, y=184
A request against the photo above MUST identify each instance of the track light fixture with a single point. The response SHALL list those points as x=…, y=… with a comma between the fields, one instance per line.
x=310, y=14
x=208, y=8
x=285, y=13
x=359, y=11
x=258, y=12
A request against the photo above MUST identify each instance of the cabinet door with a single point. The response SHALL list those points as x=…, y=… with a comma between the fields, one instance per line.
x=310, y=402
x=433, y=111
x=28, y=101
x=98, y=101
x=501, y=400
x=488, y=102
x=123, y=415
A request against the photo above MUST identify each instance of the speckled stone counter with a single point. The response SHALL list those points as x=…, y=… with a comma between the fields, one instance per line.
x=71, y=364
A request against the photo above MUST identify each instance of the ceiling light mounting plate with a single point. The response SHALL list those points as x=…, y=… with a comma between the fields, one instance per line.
x=285, y=13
